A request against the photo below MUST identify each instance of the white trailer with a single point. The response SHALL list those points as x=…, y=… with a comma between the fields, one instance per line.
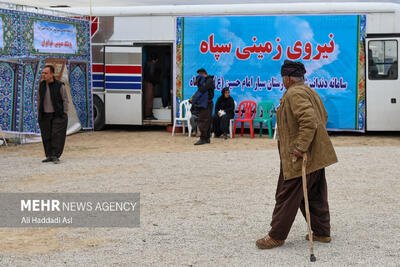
x=120, y=49
x=127, y=34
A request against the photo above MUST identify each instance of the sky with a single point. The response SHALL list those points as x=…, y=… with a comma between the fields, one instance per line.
x=86, y=3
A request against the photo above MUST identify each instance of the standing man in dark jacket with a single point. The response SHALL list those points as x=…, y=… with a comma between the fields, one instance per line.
x=205, y=114
x=224, y=112
x=52, y=103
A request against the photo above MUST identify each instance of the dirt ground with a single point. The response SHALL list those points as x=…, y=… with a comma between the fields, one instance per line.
x=190, y=214
x=133, y=140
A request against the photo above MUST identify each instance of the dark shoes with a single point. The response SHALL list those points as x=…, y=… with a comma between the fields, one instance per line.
x=323, y=239
x=225, y=136
x=48, y=159
x=53, y=159
x=202, y=141
x=150, y=118
x=268, y=243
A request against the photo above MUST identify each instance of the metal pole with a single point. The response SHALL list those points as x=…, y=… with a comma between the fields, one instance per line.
x=90, y=12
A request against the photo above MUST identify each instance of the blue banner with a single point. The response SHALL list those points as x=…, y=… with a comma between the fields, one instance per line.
x=51, y=37
x=245, y=53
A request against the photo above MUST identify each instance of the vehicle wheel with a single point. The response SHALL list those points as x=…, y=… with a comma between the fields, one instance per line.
x=98, y=113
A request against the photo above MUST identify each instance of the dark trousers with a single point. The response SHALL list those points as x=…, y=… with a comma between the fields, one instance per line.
x=53, y=130
x=148, y=99
x=289, y=198
x=204, y=122
x=193, y=121
x=166, y=92
x=221, y=124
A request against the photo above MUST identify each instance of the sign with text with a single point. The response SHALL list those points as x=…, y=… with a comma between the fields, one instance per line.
x=70, y=209
x=52, y=37
x=245, y=53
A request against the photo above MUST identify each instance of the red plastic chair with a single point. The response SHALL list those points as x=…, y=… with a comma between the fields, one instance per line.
x=247, y=113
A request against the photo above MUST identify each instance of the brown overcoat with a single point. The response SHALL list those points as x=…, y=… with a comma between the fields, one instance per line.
x=301, y=120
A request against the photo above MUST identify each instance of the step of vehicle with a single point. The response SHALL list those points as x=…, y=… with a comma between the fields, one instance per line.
x=162, y=114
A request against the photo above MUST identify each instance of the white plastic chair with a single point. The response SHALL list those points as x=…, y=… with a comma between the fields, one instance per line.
x=2, y=136
x=231, y=121
x=184, y=116
x=276, y=124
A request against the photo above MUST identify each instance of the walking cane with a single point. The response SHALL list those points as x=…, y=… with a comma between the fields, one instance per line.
x=304, y=180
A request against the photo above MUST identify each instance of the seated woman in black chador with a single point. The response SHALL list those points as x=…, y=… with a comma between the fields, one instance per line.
x=224, y=111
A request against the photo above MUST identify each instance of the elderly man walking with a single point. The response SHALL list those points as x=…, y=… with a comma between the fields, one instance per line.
x=301, y=121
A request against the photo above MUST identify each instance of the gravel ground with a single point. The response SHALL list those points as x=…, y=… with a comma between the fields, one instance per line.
x=207, y=208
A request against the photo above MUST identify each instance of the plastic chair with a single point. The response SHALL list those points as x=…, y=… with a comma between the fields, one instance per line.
x=265, y=114
x=247, y=113
x=2, y=136
x=231, y=121
x=184, y=116
x=276, y=123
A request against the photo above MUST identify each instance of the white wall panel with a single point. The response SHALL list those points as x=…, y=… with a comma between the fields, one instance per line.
x=144, y=29
x=381, y=23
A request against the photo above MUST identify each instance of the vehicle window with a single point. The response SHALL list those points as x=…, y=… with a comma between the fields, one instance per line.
x=382, y=60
